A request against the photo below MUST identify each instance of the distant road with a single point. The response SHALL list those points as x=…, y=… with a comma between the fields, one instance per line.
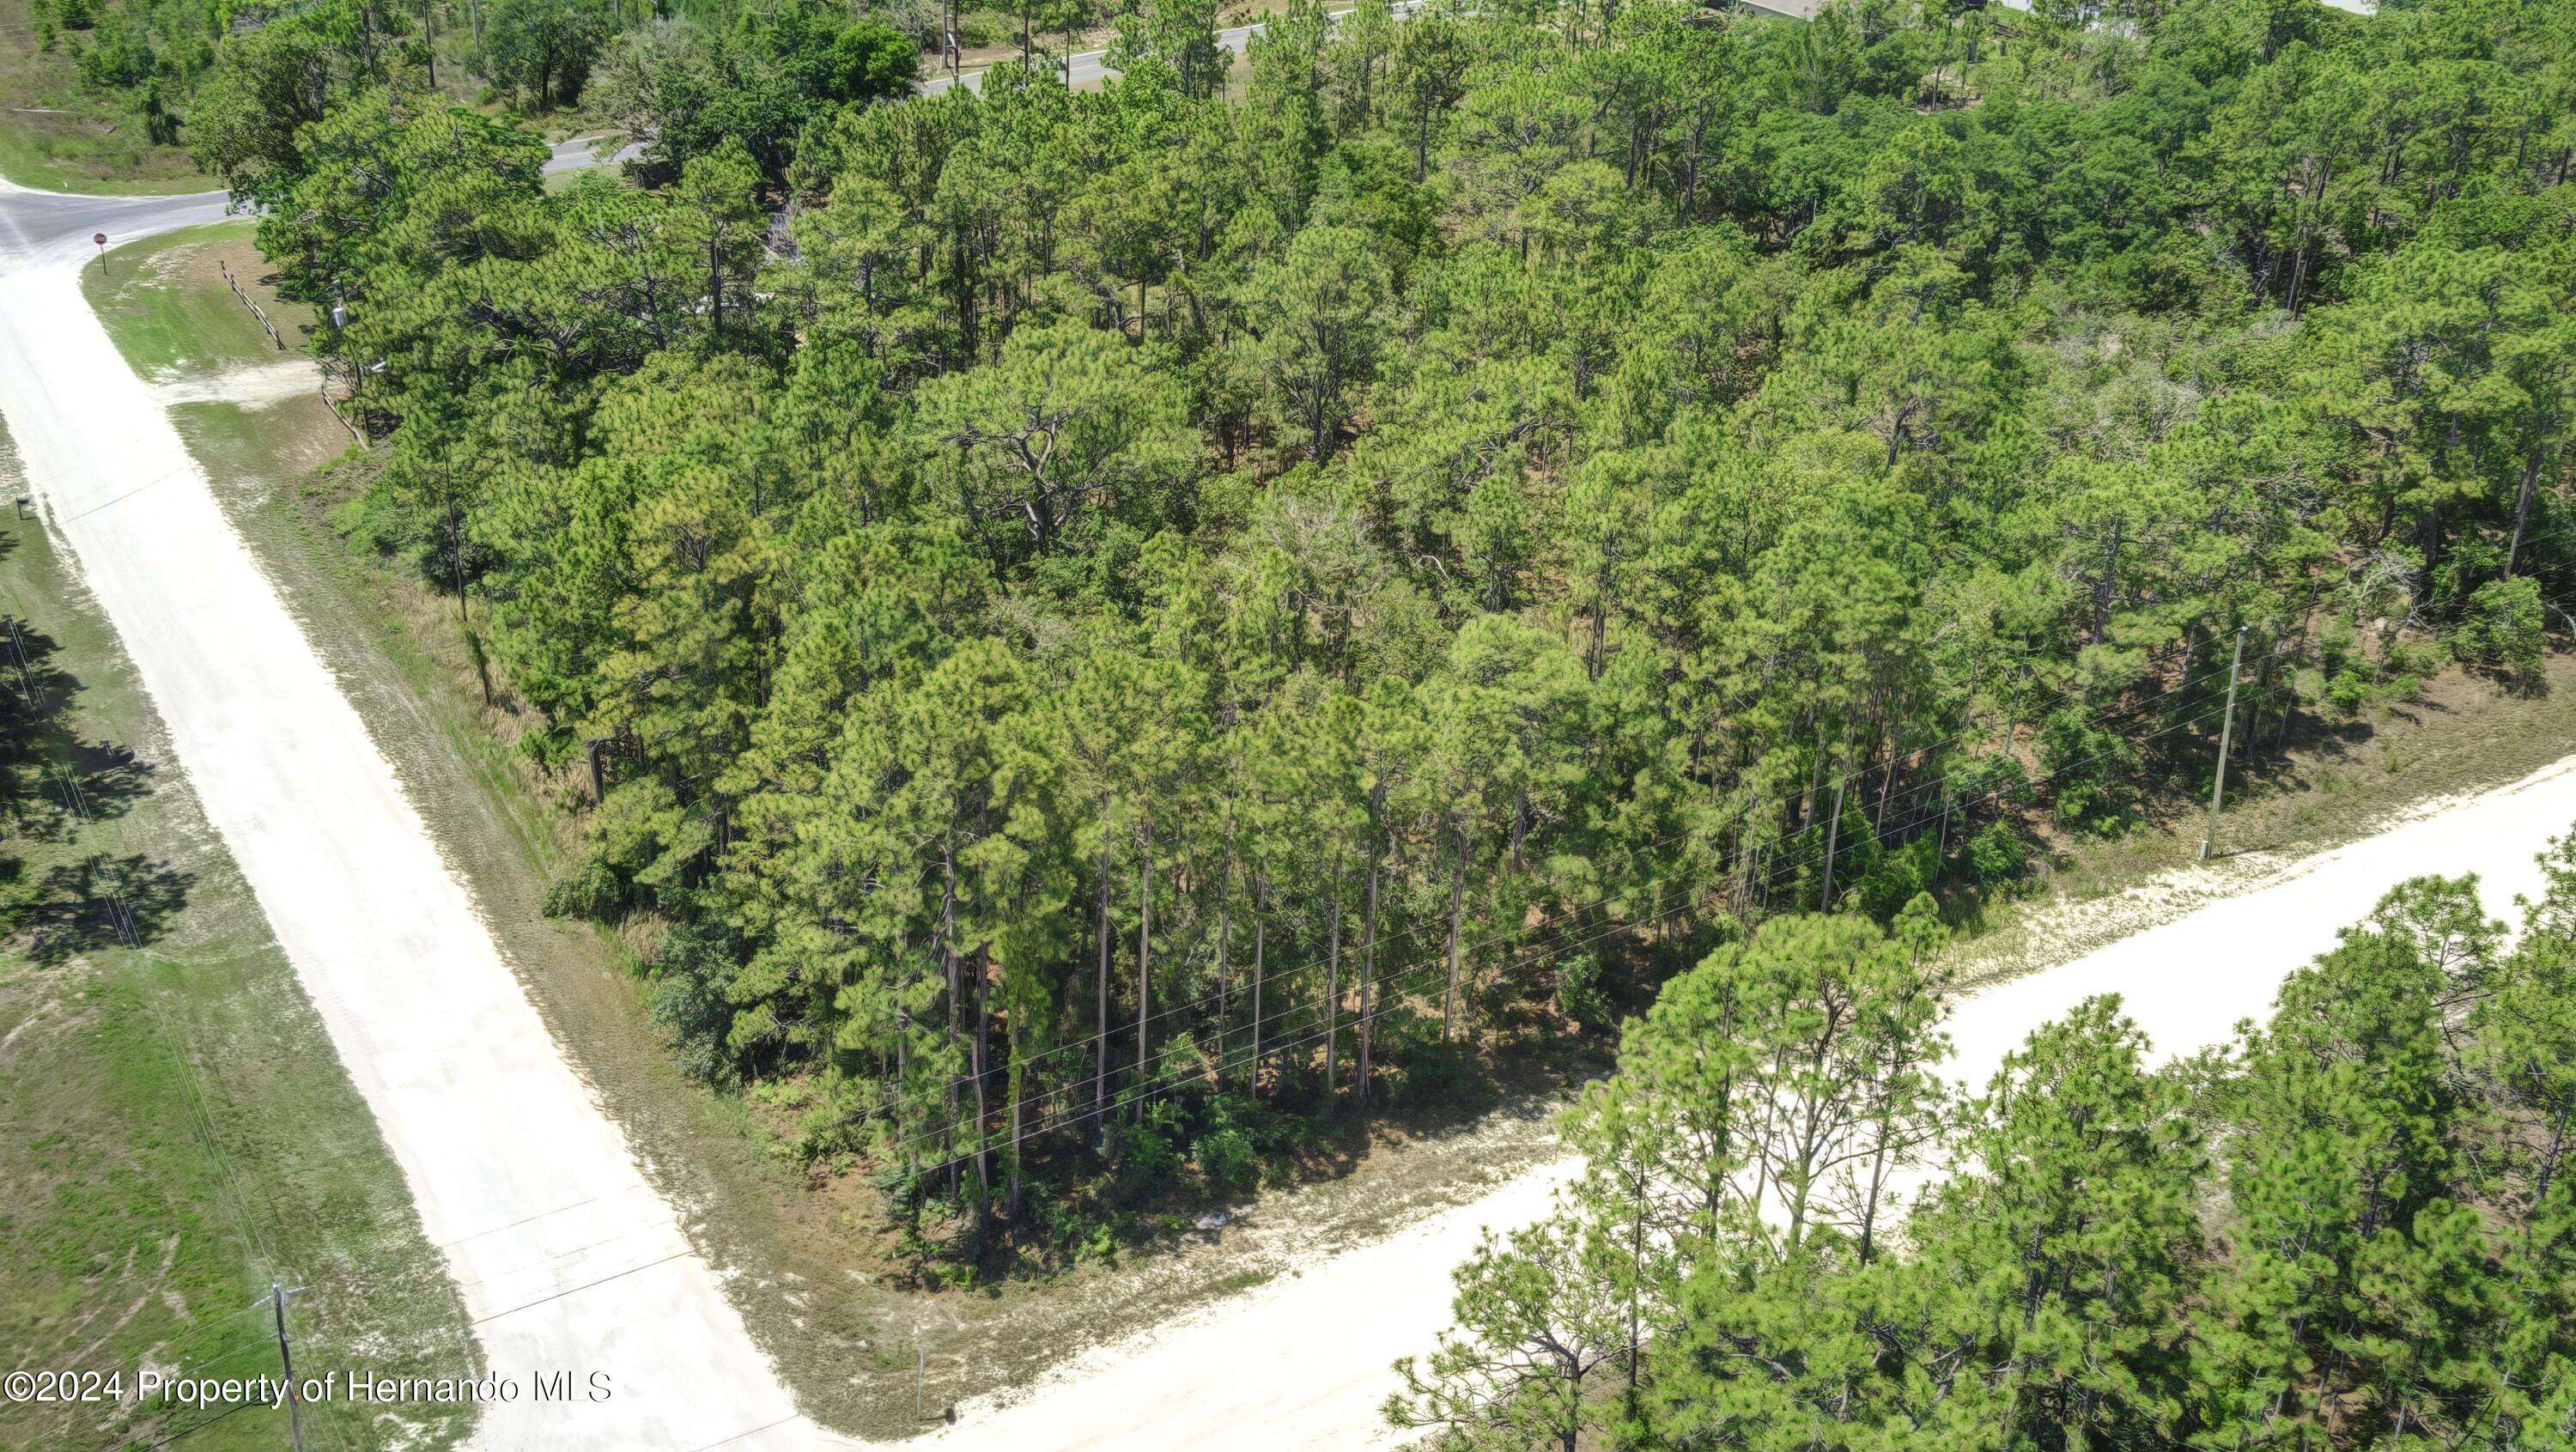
x=36, y=223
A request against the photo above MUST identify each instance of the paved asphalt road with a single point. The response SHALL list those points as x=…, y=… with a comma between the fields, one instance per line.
x=48, y=224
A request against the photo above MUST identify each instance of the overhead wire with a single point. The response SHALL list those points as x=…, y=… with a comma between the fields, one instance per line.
x=2117, y=710
x=1730, y=818
x=1141, y=1093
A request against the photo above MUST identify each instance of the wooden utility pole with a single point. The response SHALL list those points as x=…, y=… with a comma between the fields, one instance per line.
x=2226, y=739
x=277, y=1295
x=1833, y=836
x=1144, y=950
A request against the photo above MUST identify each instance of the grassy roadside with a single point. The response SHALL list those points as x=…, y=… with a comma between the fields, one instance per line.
x=56, y=136
x=175, y=1130
x=165, y=300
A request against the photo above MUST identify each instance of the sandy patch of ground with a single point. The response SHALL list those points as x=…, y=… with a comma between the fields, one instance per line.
x=246, y=387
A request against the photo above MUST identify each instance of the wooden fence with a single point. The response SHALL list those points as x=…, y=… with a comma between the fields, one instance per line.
x=333, y=404
x=256, y=310
x=279, y=339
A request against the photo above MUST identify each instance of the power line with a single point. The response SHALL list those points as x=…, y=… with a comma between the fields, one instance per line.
x=1315, y=1007
x=584, y=1286
x=1143, y=1090
x=1738, y=815
x=195, y=1427
x=2117, y=710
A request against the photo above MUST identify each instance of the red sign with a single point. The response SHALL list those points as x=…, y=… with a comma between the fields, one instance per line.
x=100, y=239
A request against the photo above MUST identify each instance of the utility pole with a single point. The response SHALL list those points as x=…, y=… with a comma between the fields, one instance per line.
x=277, y=1295
x=2226, y=739
x=1833, y=831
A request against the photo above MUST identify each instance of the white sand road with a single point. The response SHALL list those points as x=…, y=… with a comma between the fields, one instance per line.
x=1303, y=1363
x=568, y=1260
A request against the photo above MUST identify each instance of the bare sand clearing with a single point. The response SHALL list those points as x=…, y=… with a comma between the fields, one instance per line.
x=269, y=383
x=568, y=1260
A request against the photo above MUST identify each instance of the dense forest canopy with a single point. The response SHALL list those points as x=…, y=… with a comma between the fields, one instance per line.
x=1104, y=622
x=756, y=74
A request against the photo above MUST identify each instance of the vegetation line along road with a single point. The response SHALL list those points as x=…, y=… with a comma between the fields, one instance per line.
x=2186, y=984
x=1342, y=684
x=145, y=1090
x=1104, y=648
x=471, y=1095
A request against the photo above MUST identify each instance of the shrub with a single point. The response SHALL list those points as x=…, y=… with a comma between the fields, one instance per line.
x=1995, y=856
x=1142, y=1156
x=588, y=890
x=2501, y=631
x=1583, y=992
x=1899, y=876
x=2090, y=765
x=687, y=1003
x=1073, y=1230
x=1227, y=1162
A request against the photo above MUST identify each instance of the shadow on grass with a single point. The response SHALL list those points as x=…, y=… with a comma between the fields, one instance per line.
x=56, y=783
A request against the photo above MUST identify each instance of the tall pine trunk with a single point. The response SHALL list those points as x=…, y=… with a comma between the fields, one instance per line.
x=1457, y=919
x=983, y=1110
x=948, y=971
x=1224, y=921
x=1368, y=979
x=2522, y=505
x=1260, y=939
x=1017, y=1084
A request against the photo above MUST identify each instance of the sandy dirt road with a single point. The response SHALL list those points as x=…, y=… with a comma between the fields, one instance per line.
x=568, y=1260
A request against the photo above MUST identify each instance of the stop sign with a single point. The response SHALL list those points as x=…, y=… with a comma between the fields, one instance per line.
x=100, y=238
